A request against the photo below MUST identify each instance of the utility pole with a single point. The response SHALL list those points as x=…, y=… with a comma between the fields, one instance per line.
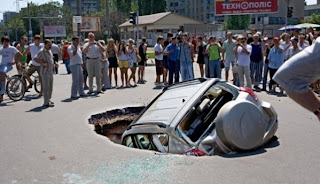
x=107, y=19
x=79, y=12
x=30, y=28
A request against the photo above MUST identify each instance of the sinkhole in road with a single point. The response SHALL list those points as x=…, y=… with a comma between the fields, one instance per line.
x=114, y=123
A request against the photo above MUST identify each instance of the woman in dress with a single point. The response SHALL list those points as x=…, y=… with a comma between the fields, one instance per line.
x=113, y=61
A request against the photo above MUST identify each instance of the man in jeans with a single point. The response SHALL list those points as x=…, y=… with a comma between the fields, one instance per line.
x=76, y=61
x=243, y=52
x=45, y=59
x=186, y=51
x=172, y=51
x=214, y=49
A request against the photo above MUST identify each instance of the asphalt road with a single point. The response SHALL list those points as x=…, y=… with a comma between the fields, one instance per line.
x=57, y=145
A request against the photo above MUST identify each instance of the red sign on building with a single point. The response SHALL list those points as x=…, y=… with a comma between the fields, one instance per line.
x=234, y=7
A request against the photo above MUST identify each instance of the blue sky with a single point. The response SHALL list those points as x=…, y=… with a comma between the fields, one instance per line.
x=10, y=5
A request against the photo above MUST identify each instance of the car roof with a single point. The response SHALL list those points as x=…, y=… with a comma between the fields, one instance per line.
x=165, y=108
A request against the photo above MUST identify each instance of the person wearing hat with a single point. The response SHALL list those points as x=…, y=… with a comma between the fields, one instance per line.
x=76, y=63
x=186, y=50
x=276, y=59
x=294, y=49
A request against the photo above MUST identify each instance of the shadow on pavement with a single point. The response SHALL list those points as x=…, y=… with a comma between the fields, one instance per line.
x=31, y=97
x=274, y=142
x=68, y=100
x=4, y=104
x=38, y=109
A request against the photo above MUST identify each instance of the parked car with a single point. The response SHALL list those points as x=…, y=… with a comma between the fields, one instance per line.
x=203, y=114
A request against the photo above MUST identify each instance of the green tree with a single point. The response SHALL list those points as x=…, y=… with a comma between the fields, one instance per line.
x=16, y=28
x=314, y=19
x=237, y=22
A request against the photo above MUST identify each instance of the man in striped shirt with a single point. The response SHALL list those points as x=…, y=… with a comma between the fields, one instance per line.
x=45, y=59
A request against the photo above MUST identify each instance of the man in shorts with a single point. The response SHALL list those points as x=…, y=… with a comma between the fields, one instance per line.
x=8, y=53
x=158, y=50
x=297, y=73
x=35, y=66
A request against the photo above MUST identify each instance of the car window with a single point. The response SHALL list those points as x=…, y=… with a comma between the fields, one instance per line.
x=161, y=141
x=156, y=142
x=128, y=142
x=144, y=141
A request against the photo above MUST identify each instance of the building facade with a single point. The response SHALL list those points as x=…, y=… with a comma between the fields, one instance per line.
x=202, y=10
x=8, y=15
x=87, y=5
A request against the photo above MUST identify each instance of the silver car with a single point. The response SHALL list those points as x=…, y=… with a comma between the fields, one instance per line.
x=203, y=114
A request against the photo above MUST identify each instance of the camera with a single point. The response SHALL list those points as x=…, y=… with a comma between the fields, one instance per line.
x=179, y=36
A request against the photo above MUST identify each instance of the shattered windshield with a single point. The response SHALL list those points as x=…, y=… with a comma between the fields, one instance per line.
x=156, y=142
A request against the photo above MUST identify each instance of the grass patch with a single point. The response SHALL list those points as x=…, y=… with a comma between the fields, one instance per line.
x=150, y=55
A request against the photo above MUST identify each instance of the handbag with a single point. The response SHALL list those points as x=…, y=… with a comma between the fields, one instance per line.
x=221, y=64
x=138, y=58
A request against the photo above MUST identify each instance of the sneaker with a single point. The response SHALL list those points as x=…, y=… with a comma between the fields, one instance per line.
x=83, y=95
x=100, y=92
x=74, y=97
x=86, y=88
x=51, y=102
x=90, y=92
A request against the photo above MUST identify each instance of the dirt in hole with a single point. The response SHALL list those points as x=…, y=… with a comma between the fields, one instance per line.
x=114, y=123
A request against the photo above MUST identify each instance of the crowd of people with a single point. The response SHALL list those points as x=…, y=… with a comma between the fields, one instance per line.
x=249, y=58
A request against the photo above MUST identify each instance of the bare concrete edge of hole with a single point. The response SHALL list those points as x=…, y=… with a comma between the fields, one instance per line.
x=113, y=123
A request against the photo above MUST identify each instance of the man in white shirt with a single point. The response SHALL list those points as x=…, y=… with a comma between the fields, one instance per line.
x=34, y=67
x=8, y=53
x=76, y=61
x=294, y=49
x=93, y=50
x=243, y=52
x=158, y=50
